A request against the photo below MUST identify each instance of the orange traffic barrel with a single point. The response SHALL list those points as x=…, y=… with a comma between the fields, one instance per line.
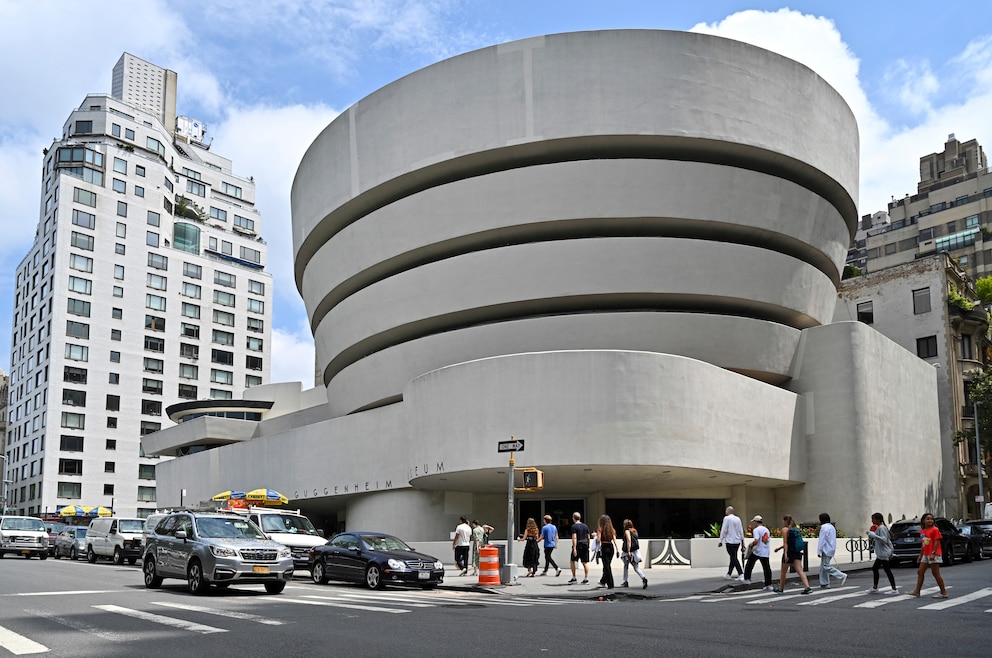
x=488, y=565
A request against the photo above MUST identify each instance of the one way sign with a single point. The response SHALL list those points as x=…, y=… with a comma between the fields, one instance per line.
x=511, y=446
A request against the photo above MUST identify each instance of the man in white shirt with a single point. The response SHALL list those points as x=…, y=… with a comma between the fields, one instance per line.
x=826, y=548
x=760, y=551
x=461, y=543
x=732, y=534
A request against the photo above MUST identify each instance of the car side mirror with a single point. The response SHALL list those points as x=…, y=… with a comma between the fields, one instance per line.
x=181, y=534
x=357, y=549
x=320, y=532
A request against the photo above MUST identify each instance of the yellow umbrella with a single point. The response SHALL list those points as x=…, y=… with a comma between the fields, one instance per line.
x=229, y=495
x=266, y=497
x=74, y=510
x=100, y=511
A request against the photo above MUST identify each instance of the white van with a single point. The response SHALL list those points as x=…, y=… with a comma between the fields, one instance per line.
x=115, y=537
x=289, y=528
x=23, y=535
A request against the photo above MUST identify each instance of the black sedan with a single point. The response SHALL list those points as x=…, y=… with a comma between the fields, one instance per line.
x=375, y=559
x=906, y=543
x=981, y=536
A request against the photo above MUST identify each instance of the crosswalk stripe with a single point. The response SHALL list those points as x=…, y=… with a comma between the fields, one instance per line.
x=958, y=600
x=834, y=597
x=77, y=625
x=223, y=613
x=895, y=598
x=738, y=597
x=338, y=604
x=161, y=619
x=780, y=597
x=78, y=591
x=18, y=644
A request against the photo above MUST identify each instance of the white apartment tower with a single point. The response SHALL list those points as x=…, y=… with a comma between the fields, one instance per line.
x=145, y=286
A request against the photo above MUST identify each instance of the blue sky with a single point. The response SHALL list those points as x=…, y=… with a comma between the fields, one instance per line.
x=268, y=75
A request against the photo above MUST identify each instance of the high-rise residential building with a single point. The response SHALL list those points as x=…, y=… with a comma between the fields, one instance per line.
x=4, y=381
x=145, y=286
x=950, y=211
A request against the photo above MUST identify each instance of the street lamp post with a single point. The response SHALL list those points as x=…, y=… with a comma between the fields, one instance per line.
x=978, y=459
x=3, y=476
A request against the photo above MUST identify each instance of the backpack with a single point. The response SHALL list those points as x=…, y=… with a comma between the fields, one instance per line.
x=634, y=544
x=796, y=542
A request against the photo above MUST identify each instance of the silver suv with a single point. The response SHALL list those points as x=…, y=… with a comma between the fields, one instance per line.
x=214, y=548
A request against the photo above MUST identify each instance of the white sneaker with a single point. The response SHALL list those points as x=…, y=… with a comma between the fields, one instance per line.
x=768, y=589
x=727, y=576
x=873, y=590
x=890, y=592
x=740, y=579
x=746, y=582
x=843, y=579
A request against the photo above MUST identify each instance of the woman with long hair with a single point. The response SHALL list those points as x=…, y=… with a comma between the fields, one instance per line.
x=930, y=557
x=879, y=533
x=631, y=553
x=607, y=548
x=532, y=554
x=793, y=556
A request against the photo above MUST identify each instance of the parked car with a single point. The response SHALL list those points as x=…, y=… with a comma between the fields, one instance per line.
x=982, y=530
x=214, y=548
x=289, y=528
x=906, y=543
x=375, y=559
x=117, y=538
x=71, y=543
x=53, y=528
x=23, y=535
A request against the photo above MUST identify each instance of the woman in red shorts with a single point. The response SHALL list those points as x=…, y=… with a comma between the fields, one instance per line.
x=930, y=556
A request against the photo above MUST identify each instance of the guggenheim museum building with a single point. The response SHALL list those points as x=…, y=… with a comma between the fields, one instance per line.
x=621, y=248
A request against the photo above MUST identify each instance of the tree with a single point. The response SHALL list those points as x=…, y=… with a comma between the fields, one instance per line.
x=980, y=391
x=983, y=287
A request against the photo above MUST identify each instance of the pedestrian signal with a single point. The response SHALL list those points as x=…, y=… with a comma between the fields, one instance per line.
x=533, y=479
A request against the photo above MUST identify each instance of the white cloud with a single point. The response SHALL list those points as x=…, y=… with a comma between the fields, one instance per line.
x=915, y=83
x=292, y=357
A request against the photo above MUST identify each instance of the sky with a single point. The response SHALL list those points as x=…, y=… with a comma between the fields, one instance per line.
x=267, y=75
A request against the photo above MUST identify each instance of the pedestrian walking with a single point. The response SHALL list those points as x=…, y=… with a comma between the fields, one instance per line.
x=631, y=553
x=580, y=547
x=792, y=546
x=607, y=548
x=826, y=549
x=732, y=534
x=480, y=537
x=532, y=554
x=879, y=533
x=549, y=533
x=760, y=550
x=931, y=555
x=461, y=543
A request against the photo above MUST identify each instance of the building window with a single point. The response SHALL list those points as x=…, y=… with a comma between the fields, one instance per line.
x=115, y=357
x=191, y=310
x=251, y=255
x=113, y=403
x=111, y=444
x=77, y=352
x=223, y=337
x=111, y=422
x=226, y=248
x=118, y=291
x=146, y=494
x=225, y=279
x=115, y=334
x=119, y=272
x=128, y=134
x=186, y=237
x=70, y=489
x=190, y=330
x=253, y=362
x=187, y=391
x=219, y=394
x=156, y=366
x=223, y=318
x=151, y=238
x=117, y=313
x=223, y=298
x=71, y=443
x=81, y=241
x=114, y=378
x=83, y=219
x=158, y=261
x=152, y=386
x=192, y=271
x=254, y=344
x=971, y=221
x=70, y=466
x=153, y=344
x=191, y=290
x=84, y=127
x=73, y=420
x=218, y=214
x=231, y=190
x=78, y=307
x=921, y=301
x=252, y=380
x=73, y=398
x=966, y=347
x=222, y=357
x=151, y=407
x=80, y=285
x=256, y=325
x=120, y=186
x=81, y=263
x=115, y=130
x=244, y=222
x=156, y=281
x=926, y=348
x=119, y=248
x=199, y=189
x=220, y=377
x=139, y=171
x=122, y=209
x=153, y=218
x=155, y=302
x=189, y=350
x=146, y=471
x=84, y=197
x=256, y=287
x=77, y=329
x=74, y=375
x=189, y=371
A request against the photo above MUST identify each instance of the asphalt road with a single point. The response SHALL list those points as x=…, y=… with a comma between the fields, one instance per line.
x=76, y=609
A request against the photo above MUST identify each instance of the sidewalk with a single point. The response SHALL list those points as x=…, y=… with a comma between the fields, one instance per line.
x=663, y=581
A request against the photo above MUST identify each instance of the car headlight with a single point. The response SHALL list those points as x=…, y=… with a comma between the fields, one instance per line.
x=285, y=552
x=439, y=565
x=223, y=551
x=397, y=565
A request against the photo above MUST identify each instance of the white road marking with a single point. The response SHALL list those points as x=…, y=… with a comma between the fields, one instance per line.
x=161, y=619
x=782, y=597
x=77, y=625
x=18, y=644
x=738, y=597
x=78, y=591
x=835, y=597
x=958, y=600
x=893, y=598
x=338, y=604
x=223, y=613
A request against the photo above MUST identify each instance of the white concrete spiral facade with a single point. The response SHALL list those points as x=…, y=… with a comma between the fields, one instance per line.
x=575, y=175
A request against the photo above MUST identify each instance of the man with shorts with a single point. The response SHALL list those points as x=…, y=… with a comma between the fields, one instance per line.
x=580, y=547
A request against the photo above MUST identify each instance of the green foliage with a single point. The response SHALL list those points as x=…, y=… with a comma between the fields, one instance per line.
x=850, y=271
x=713, y=530
x=980, y=391
x=983, y=287
x=957, y=299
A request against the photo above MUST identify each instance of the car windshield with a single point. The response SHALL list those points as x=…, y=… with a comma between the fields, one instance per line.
x=131, y=525
x=291, y=523
x=227, y=528
x=384, y=543
x=12, y=523
x=903, y=528
x=80, y=533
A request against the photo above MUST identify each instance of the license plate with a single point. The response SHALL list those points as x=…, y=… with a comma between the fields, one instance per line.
x=424, y=575
x=25, y=552
x=260, y=569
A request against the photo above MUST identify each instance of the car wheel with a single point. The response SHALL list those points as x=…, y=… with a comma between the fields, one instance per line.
x=132, y=560
x=373, y=577
x=27, y=556
x=948, y=557
x=90, y=555
x=152, y=579
x=43, y=556
x=275, y=588
x=56, y=555
x=428, y=586
x=118, y=555
x=72, y=553
x=967, y=554
x=319, y=573
x=197, y=583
